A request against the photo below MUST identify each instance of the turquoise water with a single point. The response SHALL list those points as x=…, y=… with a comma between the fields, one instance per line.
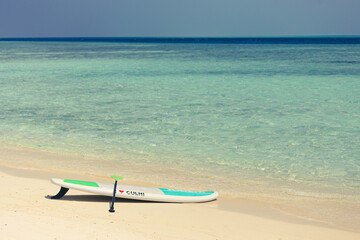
x=269, y=115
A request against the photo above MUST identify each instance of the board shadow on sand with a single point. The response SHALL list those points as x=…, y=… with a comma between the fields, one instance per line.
x=97, y=198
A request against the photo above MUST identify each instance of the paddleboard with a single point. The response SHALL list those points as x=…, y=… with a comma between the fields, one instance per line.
x=134, y=192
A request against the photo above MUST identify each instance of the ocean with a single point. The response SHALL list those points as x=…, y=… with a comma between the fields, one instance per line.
x=258, y=117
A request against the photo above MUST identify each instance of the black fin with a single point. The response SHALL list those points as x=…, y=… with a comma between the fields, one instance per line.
x=61, y=193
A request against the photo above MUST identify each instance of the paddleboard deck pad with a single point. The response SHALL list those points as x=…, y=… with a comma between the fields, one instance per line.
x=134, y=192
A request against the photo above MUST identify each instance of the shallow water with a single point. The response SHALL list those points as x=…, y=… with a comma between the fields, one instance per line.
x=245, y=117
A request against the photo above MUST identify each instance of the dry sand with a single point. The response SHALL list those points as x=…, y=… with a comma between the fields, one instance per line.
x=27, y=213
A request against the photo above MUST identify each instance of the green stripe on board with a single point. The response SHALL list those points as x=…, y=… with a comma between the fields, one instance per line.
x=84, y=183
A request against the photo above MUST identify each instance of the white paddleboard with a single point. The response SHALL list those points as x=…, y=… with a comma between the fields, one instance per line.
x=135, y=192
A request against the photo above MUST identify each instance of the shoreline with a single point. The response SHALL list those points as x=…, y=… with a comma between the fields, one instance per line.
x=245, y=183
x=296, y=212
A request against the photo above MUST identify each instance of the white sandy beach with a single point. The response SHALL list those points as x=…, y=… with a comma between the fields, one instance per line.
x=26, y=213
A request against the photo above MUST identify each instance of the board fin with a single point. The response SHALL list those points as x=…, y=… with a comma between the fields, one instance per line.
x=61, y=193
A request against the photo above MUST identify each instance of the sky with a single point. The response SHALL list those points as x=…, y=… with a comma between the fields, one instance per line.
x=181, y=18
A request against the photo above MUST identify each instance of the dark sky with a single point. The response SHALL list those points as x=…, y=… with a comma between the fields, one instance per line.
x=208, y=18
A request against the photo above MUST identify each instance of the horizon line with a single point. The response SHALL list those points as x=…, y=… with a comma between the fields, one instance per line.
x=200, y=37
x=323, y=39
